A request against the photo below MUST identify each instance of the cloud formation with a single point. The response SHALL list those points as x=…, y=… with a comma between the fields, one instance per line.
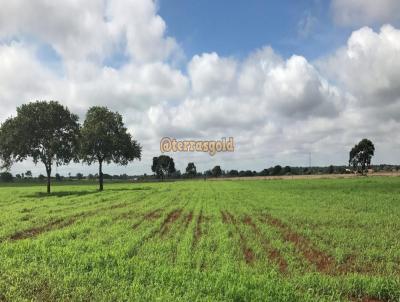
x=278, y=109
x=363, y=12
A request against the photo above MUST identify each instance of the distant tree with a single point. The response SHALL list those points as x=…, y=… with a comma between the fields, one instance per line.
x=208, y=173
x=58, y=177
x=79, y=176
x=277, y=170
x=331, y=169
x=104, y=139
x=287, y=170
x=216, y=171
x=18, y=176
x=361, y=155
x=191, y=170
x=44, y=131
x=91, y=176
x=264, y=172
x=28, y=173
x=233, y=173
x=6, y=177
x=41, y=177
x=177, y=174
x=163, y=166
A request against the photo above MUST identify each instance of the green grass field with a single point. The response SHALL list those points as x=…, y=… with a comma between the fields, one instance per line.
x=275, y=240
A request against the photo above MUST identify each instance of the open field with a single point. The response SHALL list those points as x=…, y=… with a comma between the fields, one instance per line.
x=268, y=240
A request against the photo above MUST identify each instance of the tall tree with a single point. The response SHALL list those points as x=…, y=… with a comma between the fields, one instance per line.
x=361, y=155
x=163, y=166
x=191, y=170
x=44, y=131
x=104, y=139
x=216, y=171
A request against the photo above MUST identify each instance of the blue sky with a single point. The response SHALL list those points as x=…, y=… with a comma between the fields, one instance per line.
x=200, y=69
x=235, y=28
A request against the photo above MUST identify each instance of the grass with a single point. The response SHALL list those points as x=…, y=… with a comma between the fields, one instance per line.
x=281, y=240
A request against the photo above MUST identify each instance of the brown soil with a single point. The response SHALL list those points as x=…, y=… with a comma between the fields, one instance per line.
x=273, y=254
x=248, y=253
x=197, y=231
x=35, y=231
x=152, y=215
x=189, y=218
x=60, y=223
x=169, y=220
x=322, y=261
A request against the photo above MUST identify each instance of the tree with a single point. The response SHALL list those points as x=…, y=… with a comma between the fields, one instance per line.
x=163, y=166
x=277, y=170
x=361, y=155
x=79, y=176
x=44, y=131
x=233, y=173
x=58, y=177
x=287, y=170
x=28, y=173
x=331, y=169
x=6, y=177
x=191, y=170
x=216, y=171
x=104, y=139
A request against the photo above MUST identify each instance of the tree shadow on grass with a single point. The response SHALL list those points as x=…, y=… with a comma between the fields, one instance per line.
x=82, y=193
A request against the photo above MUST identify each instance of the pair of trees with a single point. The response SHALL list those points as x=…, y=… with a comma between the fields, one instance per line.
x=49, y=133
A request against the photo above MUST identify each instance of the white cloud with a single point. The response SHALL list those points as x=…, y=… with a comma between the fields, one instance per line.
x=277, y=109
x=368, y=67
x=365, y=12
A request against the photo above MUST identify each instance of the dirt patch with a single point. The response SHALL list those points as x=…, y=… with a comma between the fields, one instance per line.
x=365, y=299
x=248, y=253
x=169, y=220
x=273, y=254
x=35, y=231
x=60, y=223
x=189, y=218
x=323, y=262
x=225, y=218
x=197, y=230
x=152, y=215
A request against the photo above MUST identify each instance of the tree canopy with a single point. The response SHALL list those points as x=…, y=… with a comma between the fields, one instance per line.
x=163, y=166
x=361, y=155
x=216, y=171
x=191, y=170
x=104, y=139
x=44, y=131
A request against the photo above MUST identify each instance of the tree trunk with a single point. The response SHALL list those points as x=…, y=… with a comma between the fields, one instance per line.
x=100, y=175
x=48, y=171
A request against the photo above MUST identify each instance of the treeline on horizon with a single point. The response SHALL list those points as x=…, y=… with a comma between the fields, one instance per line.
x=7, y=177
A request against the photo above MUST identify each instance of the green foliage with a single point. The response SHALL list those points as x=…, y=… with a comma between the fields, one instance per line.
x=163, y=166
x=105, y=139
x=216, y=171
x=191, y=170
x=43, y=131
x=277, y=170
x=361, y=155
x=6, y=177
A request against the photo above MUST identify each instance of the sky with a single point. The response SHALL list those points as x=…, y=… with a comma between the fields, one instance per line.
x=286, y=79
